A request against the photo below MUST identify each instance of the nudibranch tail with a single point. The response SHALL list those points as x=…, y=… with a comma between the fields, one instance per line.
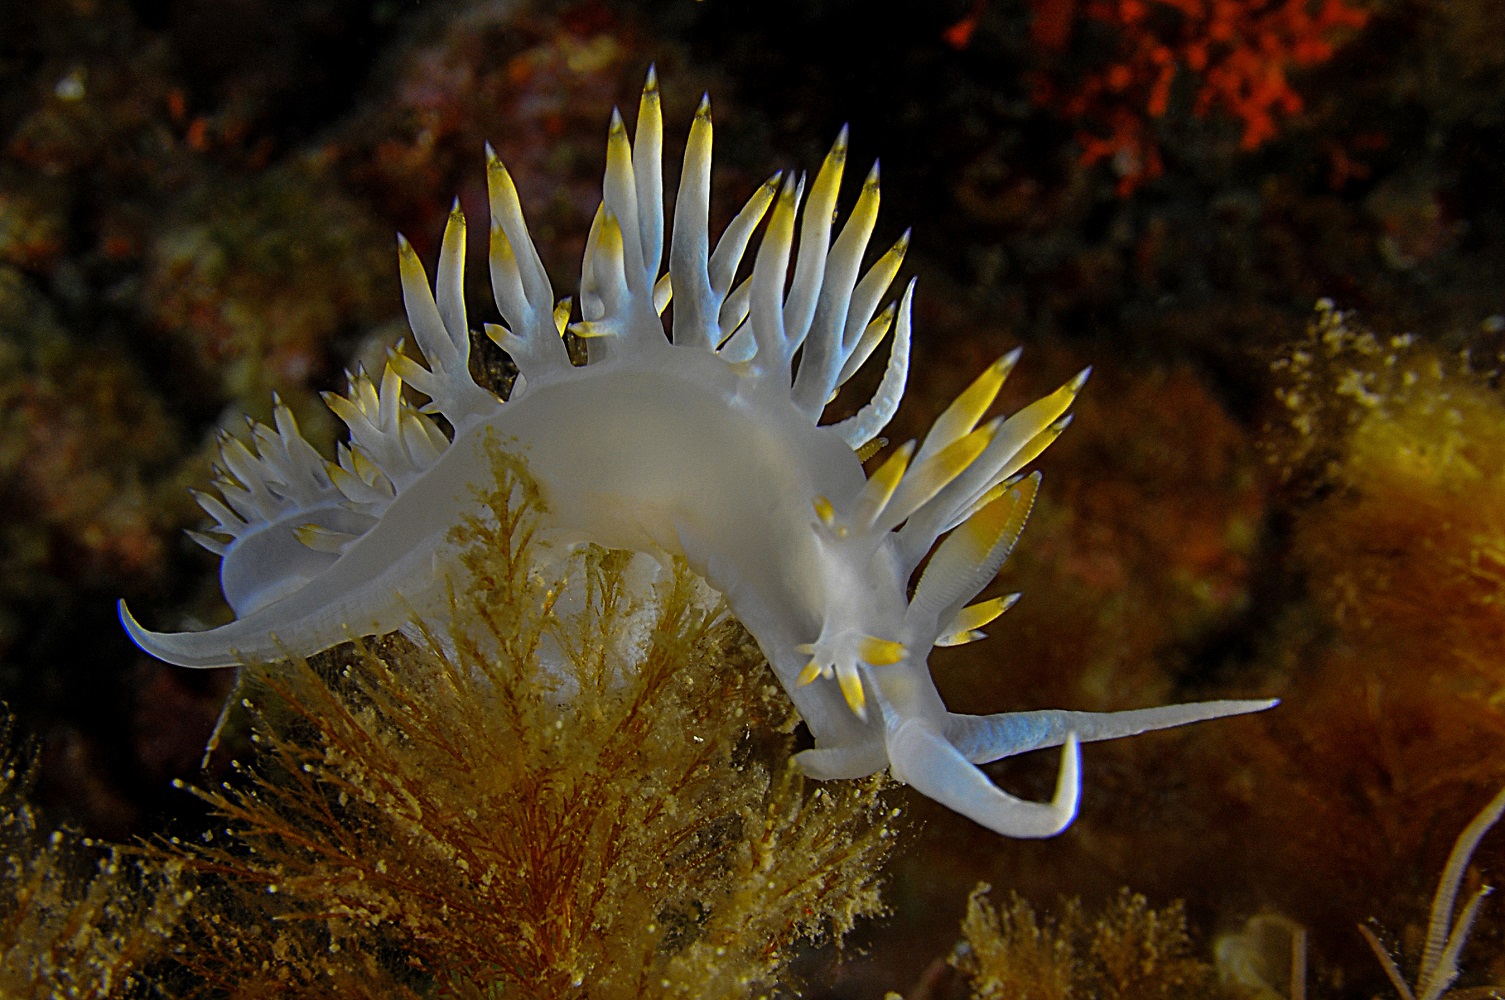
x=701, y=441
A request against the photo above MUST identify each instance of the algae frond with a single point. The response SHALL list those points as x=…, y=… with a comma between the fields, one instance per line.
x=577, y=785
x=1127, y=950
x=69, y=926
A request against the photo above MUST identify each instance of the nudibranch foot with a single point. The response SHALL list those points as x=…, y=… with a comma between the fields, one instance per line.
x=698, y=437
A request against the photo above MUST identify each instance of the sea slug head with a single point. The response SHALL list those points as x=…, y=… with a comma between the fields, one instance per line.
x=961, y=482
x=863, y=623
x=961, y=499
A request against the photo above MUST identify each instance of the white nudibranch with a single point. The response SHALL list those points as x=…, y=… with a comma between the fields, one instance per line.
x=704, y=444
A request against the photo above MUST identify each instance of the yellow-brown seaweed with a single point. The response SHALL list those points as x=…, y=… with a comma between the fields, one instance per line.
x=470, y=818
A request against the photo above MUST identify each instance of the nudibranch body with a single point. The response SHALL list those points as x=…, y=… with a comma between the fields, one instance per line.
x=704, y=445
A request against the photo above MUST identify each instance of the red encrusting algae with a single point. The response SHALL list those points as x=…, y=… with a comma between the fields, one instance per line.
x=1237, y=52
